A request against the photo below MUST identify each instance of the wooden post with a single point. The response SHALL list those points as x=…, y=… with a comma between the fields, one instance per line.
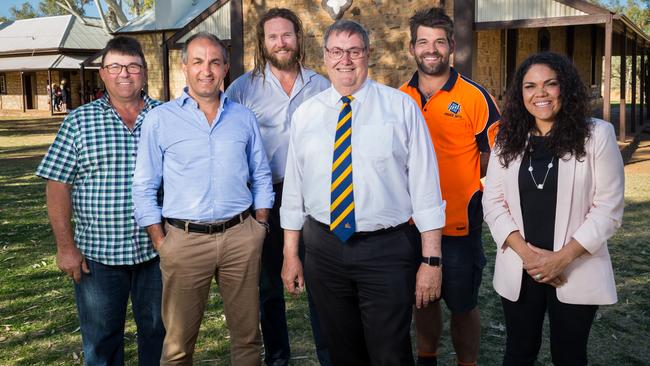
x=236, y=39
x=49, y=80
x=82, y=79
x=607, y=92
x=464, y=36
x=633, y=96
x=623, y=70
x=22, y=90
x=642, y=84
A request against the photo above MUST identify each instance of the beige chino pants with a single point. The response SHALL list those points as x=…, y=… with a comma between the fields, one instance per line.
x=188, y=262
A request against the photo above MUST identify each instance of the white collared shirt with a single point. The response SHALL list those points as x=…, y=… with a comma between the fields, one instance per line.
x=394, y=167
x=273, y=108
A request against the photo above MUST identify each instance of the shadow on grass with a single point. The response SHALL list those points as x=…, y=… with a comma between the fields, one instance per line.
x=29, y=127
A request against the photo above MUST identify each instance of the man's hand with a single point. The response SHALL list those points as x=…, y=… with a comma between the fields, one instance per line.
x=427, y=285
x=262, y=215
x=292, y=276
x=70, y=261
x=156, y=234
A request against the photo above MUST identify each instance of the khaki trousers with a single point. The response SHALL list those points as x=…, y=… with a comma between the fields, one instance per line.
x=188, y=262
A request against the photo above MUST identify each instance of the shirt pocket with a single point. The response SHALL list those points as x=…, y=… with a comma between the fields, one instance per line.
x=375, y=140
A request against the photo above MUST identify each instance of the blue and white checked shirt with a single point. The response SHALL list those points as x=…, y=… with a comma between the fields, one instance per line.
x=95, y=153
x=205, y=169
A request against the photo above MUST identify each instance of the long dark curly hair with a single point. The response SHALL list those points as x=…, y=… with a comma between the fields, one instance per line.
x=571, y=128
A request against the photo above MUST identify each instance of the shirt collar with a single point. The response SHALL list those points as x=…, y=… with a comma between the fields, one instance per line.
x=304, y=76
x=105, y=101
x=453, y=77
x=187, y=98
x=334, y=97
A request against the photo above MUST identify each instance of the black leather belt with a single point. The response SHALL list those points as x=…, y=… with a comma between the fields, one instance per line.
x=365, y=234
x=194, y=227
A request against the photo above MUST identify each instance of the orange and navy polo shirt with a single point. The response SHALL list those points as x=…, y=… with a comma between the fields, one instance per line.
x=463, y=119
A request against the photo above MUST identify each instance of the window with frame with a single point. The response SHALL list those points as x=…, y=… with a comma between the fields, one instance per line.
x=3, y=84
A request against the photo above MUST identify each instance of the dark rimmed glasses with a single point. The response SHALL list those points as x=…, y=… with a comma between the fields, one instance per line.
x=115, y=69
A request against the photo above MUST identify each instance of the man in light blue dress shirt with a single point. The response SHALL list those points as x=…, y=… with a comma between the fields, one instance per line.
x=273, y=90
x=206, y=152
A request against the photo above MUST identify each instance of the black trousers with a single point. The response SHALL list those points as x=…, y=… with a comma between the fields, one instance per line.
x=569, y=325
x=363, y=290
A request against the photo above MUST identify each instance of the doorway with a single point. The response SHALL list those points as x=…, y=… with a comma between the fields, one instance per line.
x=29, y=84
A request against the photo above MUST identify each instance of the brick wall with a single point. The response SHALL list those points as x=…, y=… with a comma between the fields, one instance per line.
x=386, y=21
x=13, y=100
x=527, y=43
x=488, y=70
x=558, y=40
x=582, y=52
x=42, y=97
x=152, y=49
x=176, y=76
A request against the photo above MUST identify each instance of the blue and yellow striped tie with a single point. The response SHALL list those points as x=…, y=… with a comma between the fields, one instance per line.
x=342, y=203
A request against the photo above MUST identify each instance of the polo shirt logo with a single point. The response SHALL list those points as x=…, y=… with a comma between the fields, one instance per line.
x=454, y=107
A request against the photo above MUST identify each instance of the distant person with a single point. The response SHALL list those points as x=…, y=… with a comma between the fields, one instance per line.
x=553, y=196
x=273, y=90
x=66, y=98
x=462, y=118
x=89, y=171
x=56, y=97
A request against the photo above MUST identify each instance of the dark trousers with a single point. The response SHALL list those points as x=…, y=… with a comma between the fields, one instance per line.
x=272, y=307
x=102, y=297
x=569, y=326
x=364, y=291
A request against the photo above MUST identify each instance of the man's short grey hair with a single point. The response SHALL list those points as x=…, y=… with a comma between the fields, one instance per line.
x=210, y=37
x=347, y=26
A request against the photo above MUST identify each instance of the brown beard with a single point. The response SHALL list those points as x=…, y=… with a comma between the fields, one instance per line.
x=437, y=70
x=284, y=64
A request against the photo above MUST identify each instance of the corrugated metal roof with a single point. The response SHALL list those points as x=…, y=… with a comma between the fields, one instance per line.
x=147, y=22
x=63, y=31
x=41, y=62
x=505, y=10
x=218, y=23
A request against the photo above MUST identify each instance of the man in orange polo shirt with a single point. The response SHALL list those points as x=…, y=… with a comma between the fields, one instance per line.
x=462, y=119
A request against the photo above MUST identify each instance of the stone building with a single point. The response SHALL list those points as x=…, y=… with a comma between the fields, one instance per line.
x=35, y=51
x=492, y=37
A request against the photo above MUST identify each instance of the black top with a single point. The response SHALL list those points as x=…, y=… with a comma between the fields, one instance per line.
x=538, y=204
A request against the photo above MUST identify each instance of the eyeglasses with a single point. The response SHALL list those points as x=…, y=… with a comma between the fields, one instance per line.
x=355, y=53
x=115, y=69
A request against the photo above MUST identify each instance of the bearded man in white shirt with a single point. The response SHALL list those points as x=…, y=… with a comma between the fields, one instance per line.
x=360, y=168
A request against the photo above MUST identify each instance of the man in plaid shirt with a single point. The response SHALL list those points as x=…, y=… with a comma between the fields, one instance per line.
x=89, y=171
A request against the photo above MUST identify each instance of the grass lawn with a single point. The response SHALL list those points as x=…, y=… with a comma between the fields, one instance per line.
x=38, y=323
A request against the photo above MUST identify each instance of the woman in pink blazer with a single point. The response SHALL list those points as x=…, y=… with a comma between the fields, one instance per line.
x=553, y=196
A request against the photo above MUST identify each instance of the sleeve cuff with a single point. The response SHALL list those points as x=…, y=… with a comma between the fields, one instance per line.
x=291, y=220
x=430, y=219
x=148, y=220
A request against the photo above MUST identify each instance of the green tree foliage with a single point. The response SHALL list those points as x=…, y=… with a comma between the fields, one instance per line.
x=637, y=10
x=24, y=11
x=50, y=7
x=137, y=7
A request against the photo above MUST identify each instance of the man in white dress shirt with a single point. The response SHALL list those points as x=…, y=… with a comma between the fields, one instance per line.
x=360, y=166
x=273, y=90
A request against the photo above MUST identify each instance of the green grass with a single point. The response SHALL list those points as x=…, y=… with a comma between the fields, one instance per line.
x=38, y=323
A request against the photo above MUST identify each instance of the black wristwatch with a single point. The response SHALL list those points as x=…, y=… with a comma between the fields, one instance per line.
x=432, y=261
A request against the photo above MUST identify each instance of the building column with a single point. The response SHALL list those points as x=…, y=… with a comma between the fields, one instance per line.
x=634, y=75
x=607, y=85
x=464, y=35
x=49, y=80
x=622, y=105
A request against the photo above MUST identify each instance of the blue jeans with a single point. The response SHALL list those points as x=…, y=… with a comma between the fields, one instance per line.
x=102, y=297
x=272, y=307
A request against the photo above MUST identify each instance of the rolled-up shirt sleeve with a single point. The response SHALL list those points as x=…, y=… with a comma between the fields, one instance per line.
x=259, y=170
x=423, y=175
x=148, y=173
x=292, y=212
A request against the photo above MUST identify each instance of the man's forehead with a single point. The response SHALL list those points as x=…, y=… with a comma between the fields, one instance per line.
x=426, y=32
x=112, y=56
x=344, y=37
